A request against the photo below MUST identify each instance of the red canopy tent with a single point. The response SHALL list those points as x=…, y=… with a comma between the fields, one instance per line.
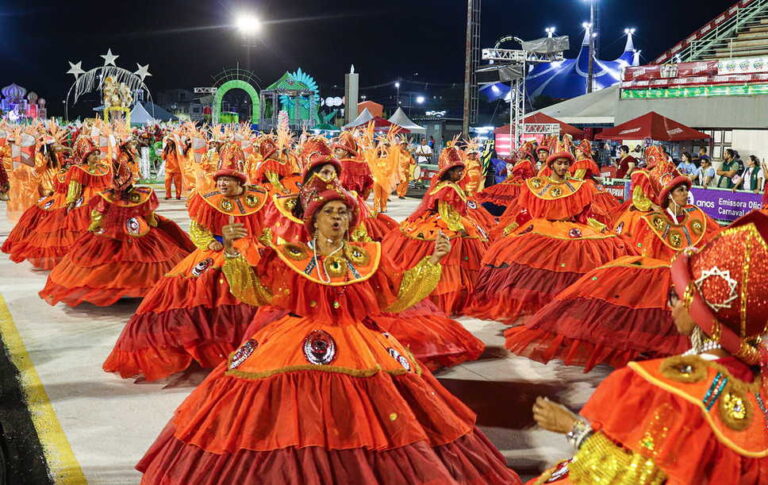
x=541, y=118
x=653, y=126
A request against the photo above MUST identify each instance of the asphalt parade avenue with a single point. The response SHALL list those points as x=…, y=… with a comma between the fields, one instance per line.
x=93, y=427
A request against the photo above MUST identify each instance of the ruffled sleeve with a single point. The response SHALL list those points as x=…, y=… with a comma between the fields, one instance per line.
x=244, y=283
x=201, y=237
x=416, y=284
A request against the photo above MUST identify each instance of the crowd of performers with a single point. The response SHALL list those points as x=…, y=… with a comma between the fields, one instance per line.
x=322, y=318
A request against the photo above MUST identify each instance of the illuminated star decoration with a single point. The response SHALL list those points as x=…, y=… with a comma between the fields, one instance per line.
x=726, y=276
x=143, y=71
x=109, y=58
x=76, y=69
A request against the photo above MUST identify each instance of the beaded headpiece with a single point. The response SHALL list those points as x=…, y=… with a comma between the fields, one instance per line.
x=724, y=285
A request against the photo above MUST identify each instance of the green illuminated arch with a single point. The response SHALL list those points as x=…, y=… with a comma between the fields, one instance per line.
x=236, y=84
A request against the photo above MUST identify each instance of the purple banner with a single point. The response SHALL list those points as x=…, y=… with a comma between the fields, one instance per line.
x=725, y=205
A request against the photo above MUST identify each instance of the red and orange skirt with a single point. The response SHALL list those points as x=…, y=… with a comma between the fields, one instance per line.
x=303, y=402
x=612, y=315
x=189, y=315
x=525, y=270
x=101, y=270
x=415, y=240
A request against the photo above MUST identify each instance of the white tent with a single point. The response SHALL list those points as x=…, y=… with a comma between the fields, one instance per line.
x=401, y=119
x=140, y=115
x=596, y=108
x=361, y=119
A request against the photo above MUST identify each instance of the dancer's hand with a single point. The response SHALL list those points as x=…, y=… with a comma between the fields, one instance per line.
x=442, y=247
x=553, y=416
x=232, y=232
x=215, y=246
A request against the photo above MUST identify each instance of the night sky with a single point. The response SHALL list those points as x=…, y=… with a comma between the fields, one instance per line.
x=186, y=42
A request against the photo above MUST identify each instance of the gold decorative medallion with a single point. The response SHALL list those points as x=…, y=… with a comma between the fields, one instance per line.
x=675, y=239
x=697, y=228
x=356, y=254
x=226, y=205
x=684, y=368
x=735, y=410
x=295, y=252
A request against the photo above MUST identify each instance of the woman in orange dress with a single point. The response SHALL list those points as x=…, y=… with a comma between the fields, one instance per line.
x=604, y=205
x=274, y=172
x=508, y=197
x=434, y=339
x=321, y=394
x=618, y=312
x=696, y=418
x=445, y=209
x=125, y=251
x=190, y=314
x=356, y=174
x=49, y=229
x=523, y=271
x=497, y=198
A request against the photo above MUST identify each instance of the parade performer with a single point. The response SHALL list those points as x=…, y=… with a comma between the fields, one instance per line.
x=436, y=340
x=275, y=172
x=618, y=312
x=694, y=418
x=49, y=229
x=356, y=174
x=406, y=165
x=125, y=251
x=190, y=314
x=173, y=155
x=445, y=209
x=474, y=180
x=383, y=161
x=24, y=180
x=375, y=414
x=605, y=205
x=497, y=199
x=523, y=271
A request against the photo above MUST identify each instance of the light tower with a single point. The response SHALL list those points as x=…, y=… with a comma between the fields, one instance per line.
x=471, y=64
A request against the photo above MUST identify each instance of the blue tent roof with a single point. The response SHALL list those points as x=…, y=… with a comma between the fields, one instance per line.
x=568, y=78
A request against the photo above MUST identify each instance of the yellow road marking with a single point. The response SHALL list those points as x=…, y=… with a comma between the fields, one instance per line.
x=63, y=466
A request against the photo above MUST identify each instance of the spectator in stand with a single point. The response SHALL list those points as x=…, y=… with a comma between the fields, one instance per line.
x=752, y=178
x=737, y=159
x=705, y=174
x=687, y=167
x=702, y=155
x=626, y=163
x=728, y=170
x=431, y=142
x=603, y=154
x=424, y=152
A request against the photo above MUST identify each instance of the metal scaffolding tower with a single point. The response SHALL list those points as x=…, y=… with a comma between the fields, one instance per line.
x=512, y=65
x=471, y=65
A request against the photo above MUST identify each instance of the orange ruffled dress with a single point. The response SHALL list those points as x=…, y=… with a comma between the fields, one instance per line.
x=126, y=250
x=276, y=177
x=433, y=337
x=47, y=230
x=190, y=314
x=617, y=312
x=524, y=270
x=444, y=208
x=505, y=194
x=322, y=395
x=356, y=176
x=680, y=420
